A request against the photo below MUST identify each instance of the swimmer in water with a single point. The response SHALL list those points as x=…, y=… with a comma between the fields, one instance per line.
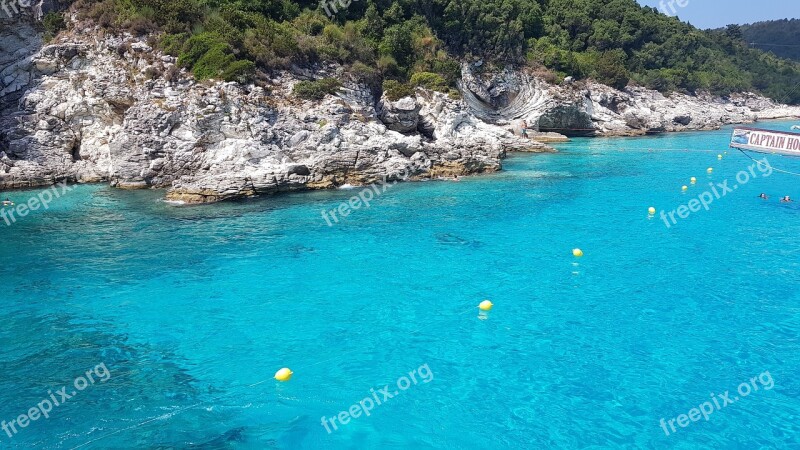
x=764, y=196
x=786, y=199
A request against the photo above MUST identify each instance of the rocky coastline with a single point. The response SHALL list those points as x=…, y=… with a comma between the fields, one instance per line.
x=95, y=108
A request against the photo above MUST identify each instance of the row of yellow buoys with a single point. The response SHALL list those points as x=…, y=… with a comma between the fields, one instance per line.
x=652, y=211
x=285, y=374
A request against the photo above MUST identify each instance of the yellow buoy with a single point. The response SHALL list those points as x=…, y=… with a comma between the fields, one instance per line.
x=685, y=188
x=485, y=305
x=651, y=210
x=710, y=169
x=577, y=253
x=284, y=374
x=719, y=156
x=693, y=180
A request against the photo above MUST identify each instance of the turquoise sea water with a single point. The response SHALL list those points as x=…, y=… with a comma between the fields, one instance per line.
x=193, y=310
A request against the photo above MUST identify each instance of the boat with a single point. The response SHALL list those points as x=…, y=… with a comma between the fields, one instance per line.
x=766, y=141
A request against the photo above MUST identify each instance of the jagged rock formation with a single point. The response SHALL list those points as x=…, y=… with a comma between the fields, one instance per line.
x=102, y=110
x=593, y=109
x=91, y=108
x=401, y=116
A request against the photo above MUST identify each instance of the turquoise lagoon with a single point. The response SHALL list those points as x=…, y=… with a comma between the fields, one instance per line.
x=193, y=310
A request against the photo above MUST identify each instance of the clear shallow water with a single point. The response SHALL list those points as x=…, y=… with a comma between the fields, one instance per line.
x=194, y=309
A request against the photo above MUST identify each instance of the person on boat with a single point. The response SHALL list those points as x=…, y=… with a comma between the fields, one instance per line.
x=786, y=199
x=763, y=196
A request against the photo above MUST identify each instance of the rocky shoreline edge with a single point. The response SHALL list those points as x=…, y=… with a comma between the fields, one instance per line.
x=87, y=109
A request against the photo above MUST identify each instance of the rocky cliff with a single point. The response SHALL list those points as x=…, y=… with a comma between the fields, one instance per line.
x=95, y=108
x=592, y=109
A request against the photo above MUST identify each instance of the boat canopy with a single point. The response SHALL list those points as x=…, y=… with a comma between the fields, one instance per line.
x=766, y=141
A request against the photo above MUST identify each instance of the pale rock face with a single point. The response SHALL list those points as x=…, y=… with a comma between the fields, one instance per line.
x=401, y=116
x=92, y=109
x=88, y=113
x=590, y=108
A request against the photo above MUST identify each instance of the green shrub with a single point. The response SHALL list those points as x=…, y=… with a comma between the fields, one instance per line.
x=396, y=90
x=364, y=73
x=311, y=23
x=316, y=90
x=428, y=80
x=172, y=44
x=388, y=66
x=53, y=22
x=331, y=85
x=240, y=71
x=449, y=68
x=208, y=55
x=333, y=34
x=197, y=46
x=213, y=63
x=140, y=26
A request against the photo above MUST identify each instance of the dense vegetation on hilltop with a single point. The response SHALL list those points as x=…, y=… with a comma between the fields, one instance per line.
x=781, y=37
x=422, y=41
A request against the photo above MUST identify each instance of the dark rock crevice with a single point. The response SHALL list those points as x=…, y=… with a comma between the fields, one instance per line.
x=75, y=151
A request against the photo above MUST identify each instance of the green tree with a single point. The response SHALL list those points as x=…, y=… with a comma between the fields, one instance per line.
x=611, y=69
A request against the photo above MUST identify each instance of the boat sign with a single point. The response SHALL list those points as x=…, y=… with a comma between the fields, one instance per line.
x=766, y=141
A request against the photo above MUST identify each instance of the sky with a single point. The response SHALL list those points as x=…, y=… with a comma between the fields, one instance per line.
x=718, y=13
